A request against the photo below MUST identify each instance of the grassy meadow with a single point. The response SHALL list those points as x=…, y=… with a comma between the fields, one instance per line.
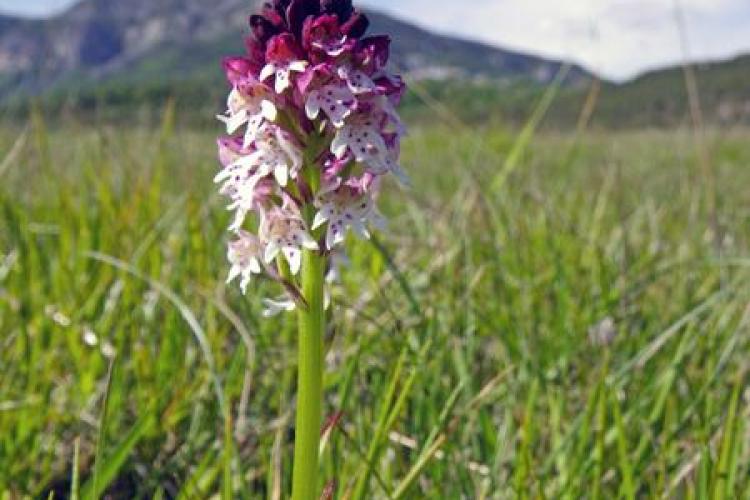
x=567, y=317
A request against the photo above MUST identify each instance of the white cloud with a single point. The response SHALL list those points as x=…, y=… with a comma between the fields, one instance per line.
x=618, y=38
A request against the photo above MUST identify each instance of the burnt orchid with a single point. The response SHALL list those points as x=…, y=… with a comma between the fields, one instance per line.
x=311, y=131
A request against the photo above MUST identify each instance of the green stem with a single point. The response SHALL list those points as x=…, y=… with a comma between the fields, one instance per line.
x=309, y=378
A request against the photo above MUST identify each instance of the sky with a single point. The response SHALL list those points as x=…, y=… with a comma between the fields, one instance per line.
x=618, y=39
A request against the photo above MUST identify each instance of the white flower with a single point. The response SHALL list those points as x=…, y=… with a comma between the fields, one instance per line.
x=343, y=208
x=246, y=190
x=358, y=81
x=336, y=101
x=246, y=197
x=362, y=136
x=275, y=153
x=244, y=256
x=250, y=109
x=274, y=307
x=284, y=232
x=278, y=154
x=282, y=72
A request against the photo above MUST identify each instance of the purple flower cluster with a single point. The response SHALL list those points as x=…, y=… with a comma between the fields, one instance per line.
x=312, y=128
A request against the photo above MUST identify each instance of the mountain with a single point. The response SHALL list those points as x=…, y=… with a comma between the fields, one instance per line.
x=147, y=40
x=661, y=96
x=137, y=53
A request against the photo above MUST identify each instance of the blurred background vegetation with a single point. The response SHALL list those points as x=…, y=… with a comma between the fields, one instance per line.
x=559, y=308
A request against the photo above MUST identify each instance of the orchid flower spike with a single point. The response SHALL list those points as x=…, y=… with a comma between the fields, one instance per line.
x=313, y=128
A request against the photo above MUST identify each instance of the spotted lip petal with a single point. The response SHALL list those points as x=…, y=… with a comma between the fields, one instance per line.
x=285, y=234
x=243, y=255
x=337, y=102
x=357, y=81
x=247, y=105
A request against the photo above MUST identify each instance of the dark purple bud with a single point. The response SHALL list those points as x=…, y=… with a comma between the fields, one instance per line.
x=256, y=51
x=298, y=11
x=320, y=29
x=274, y=15
x=391, y=86
x=263, y=29
x=356, y=26
x=238, y=69
x=283, y=49
x=373, y=52
x=281, y=6
x=342, y=8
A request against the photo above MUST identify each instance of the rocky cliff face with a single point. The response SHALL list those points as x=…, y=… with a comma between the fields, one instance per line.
x=100, y=36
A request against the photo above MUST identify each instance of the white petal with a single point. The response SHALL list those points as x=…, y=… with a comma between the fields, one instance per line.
x=254, y=266
x=338, y=237
x=246, y=161
x=339, y=144
x=272, y=250
x=239, y=219
x=359, y=82
x=268, y=110
x=308, y=242
x=222, y=175
x=360, y=230
x=233, y=273
x=267, y=72
x=320, y=218
x=274, y=307
x=281, y=172
x=282, y=80
x=292, y=153
x=312, y=106
x=254, y=126
x=294, y=257
x=298, y=66
x=335, y=234
x=243, y=284
x=330, y=238
x=234, y=121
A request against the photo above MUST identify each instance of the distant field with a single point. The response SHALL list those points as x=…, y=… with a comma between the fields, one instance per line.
x=563, y=324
